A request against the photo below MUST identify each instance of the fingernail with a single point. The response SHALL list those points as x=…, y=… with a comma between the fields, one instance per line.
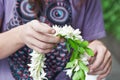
x=53, y=31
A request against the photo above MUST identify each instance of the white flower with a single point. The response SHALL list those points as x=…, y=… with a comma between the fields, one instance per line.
x=43, y=74
x=69, y=72
x=68, y=32
x=77, y=68
x=37, y=65
x=37, y=60
x=85, y=58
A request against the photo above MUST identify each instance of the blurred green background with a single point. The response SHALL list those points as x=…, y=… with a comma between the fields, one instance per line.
x=111, y=10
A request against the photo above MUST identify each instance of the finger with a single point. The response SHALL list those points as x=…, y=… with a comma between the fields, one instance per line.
x=99, y=58
x=91, y=60
x=39, y=49
x=41, y=27
x=104, y=75
x=46, y=38
x=40, y=44
x=104, y=70
x=107, y=58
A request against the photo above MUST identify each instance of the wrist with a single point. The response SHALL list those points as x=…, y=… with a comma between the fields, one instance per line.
x=18, y=34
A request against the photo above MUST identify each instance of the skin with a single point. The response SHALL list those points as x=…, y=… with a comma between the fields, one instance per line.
x=39, y=36
x=100, y=64
x=36, y=35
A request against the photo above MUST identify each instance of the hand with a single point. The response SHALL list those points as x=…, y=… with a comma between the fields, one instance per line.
x=38, y=36
x=100, y=64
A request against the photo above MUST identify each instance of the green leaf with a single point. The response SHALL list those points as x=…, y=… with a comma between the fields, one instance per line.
x=89, y=52
x=76, y=75
x=68, y=46
x=79, y=75
x=83, y=66
x=82, y=75
x=84, y=44
x=74, y=55
x=78, y=41
x=81, y=50
x=73, y=44
x=70, y=64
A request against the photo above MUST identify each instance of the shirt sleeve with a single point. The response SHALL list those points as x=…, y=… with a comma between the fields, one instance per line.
x=93, y=26
x=1, y=9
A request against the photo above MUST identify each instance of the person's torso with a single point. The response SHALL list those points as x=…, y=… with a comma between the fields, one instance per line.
x=18, y=12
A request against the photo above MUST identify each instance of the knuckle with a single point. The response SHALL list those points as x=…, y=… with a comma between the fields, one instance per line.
x=28, y=32
x=34, y=21
x=109, y=54
x=104, y=48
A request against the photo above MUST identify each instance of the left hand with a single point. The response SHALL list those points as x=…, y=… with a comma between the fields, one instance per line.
x=100, y=64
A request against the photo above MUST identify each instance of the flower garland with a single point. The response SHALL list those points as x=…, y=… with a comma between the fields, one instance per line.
x=37, y=65
x=76, y=68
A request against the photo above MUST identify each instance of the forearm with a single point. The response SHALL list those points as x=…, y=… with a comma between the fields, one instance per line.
x=39, y=38
x=10, y=42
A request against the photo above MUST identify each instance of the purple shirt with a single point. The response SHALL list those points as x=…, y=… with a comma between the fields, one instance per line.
x=88, y=18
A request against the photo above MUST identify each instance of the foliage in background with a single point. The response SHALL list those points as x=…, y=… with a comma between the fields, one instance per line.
x=111, y=10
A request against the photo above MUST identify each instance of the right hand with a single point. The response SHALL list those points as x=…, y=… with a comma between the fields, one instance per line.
x=38, y=36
